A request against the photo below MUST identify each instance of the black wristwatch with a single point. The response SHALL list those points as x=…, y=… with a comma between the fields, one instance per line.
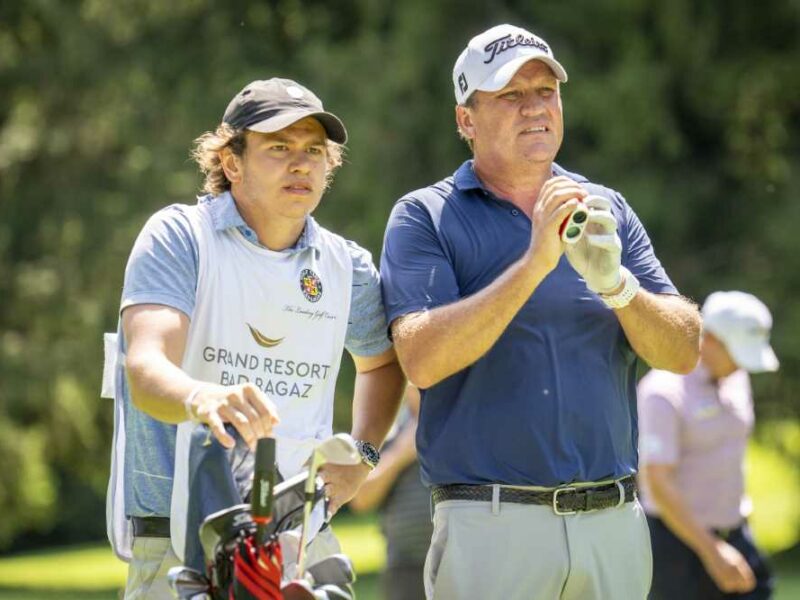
x=369, y=454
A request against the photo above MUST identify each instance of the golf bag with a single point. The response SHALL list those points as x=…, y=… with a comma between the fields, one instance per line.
x=232, y=549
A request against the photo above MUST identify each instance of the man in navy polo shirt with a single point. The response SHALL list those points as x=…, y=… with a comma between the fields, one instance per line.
x=525, y=346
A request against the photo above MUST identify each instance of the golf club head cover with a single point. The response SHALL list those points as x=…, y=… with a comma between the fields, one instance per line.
x=256, y=572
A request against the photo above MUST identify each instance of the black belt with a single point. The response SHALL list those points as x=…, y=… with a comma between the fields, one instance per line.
x=564, y=500
x=153, y=527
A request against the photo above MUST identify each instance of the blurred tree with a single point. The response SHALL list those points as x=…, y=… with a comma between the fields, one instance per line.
x=691, y=110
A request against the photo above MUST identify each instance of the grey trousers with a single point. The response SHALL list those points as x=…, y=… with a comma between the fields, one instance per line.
x=527, y=552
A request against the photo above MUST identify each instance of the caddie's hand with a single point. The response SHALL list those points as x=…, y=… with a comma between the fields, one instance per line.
x=342, y=482
x=729, y=570
x=597, y=255
x=557, y=199
x=244, y=406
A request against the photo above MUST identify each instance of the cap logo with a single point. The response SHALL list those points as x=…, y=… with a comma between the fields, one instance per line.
x=462, y=83
x=294, y=91
x=507, y=42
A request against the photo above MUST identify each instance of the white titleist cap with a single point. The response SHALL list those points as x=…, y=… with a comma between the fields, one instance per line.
x=742, y=323
x=492, y=58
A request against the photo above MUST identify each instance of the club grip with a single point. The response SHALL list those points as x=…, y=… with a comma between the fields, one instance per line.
x=264, y=480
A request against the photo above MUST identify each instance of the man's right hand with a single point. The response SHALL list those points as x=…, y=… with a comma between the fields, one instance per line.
x=244, y=406
x=559, y=197
x=728, y=568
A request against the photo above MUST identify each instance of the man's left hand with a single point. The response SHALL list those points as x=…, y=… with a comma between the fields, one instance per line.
x=342, y=483
x=597, y=256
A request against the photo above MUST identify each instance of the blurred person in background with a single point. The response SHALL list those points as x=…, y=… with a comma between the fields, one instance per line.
x=693, y=436
x=236, y=310
x=403, y=504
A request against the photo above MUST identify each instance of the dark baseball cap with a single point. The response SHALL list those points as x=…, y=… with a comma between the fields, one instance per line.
x=273, y=104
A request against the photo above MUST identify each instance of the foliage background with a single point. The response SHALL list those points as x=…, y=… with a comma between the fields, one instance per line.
x=690, y=109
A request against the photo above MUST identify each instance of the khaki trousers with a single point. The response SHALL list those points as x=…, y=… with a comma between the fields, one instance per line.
x=147, y=573
x=527, y=552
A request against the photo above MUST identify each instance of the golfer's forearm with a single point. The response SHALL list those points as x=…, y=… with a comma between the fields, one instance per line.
x=158, y=387
x=376, y=398
x=676, y=515
x=435, y=344
x=663, y=330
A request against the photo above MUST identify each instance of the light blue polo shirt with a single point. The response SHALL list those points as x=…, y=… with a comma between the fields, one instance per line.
x=163, y=269
x=554, y=400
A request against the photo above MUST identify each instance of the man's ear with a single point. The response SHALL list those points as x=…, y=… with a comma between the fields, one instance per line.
x=464, y=122
x=231, y=165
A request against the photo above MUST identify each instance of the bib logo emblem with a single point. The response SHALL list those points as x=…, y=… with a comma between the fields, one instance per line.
x=263, y=340
x=310, y=285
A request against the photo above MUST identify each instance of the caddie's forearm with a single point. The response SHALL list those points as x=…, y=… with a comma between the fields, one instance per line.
x=663, y=330
x=393, y=462
x=158, y=387
x=676, y=515
x=376, y=399
x=435, y=344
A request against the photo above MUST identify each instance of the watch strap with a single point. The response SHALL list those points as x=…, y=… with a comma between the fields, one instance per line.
x=628, y=292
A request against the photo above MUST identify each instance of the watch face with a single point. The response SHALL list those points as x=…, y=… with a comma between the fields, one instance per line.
x=369, y=454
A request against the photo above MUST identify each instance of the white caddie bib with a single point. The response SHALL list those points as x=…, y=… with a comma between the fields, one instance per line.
x=275, y=319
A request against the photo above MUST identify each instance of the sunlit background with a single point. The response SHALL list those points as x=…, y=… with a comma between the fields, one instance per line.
x=690, y=109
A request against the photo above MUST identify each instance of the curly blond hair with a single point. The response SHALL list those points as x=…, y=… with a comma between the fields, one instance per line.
x=208, y=149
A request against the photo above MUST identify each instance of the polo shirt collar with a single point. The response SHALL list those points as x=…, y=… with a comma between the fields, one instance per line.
x=225, y=215
x=465, y=178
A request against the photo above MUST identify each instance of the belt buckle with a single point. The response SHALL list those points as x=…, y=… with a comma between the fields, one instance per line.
x=558, y=491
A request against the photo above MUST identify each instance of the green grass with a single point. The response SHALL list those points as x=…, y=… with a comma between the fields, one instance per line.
x=367, y=588
x=773, y=483
x=93, y=573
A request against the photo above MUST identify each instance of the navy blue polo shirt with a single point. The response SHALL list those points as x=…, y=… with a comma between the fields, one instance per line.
x=554, y=400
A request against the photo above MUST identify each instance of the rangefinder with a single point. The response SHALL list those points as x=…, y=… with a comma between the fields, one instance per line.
x=571, y=229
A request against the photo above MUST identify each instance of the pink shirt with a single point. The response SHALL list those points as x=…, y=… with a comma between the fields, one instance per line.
x=700, y=426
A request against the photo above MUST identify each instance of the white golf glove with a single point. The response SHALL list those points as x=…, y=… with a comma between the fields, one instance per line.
x=596, y=257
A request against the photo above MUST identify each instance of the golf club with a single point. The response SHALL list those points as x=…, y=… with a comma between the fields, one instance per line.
x=332, y=592
x=221, y=527
x=262, y=496
x=289, y=498
x=188, y=584
x=297, y=590
x=339, y=449
x=335, y=569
